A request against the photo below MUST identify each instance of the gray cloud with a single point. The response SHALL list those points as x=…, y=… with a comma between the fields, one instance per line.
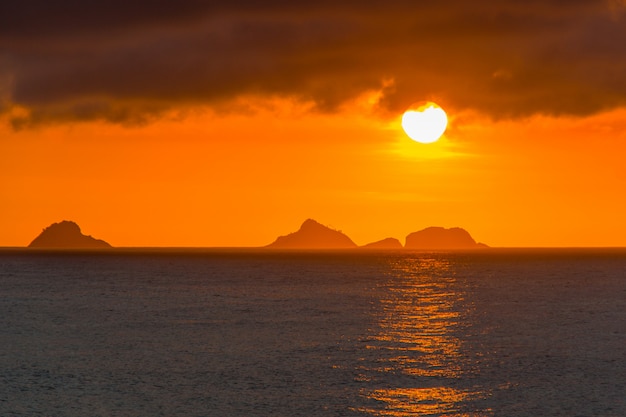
x=128, y=61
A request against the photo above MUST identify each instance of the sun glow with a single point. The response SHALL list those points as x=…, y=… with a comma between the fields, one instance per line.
x=424, y=122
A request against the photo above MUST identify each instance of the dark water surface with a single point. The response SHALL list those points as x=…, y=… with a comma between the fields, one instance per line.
x=253, y=333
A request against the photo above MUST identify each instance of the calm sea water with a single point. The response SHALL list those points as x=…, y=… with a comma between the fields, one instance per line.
x=251, y=333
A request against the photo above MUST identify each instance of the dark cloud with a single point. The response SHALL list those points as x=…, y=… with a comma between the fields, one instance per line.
x=128, y=61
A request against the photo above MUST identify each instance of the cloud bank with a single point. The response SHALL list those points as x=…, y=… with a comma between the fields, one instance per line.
x=127, y=62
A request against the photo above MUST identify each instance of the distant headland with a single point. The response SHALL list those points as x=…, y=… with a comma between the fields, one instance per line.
x=313, y=235
x=66, y=235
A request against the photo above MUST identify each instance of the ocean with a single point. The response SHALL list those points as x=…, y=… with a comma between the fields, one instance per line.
x=349, y=333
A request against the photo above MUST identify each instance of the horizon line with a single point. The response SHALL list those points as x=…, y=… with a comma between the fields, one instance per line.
x=270, y=249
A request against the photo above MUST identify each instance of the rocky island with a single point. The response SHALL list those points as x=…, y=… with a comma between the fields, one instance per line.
x=313, y=235
x=66, y=235
x=439, y=238
x=389, y=243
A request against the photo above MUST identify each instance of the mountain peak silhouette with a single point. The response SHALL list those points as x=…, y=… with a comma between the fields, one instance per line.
x=66, y=235
x=313, y=235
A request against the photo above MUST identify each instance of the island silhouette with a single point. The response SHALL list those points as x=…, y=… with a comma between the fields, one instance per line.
x=388, y=243
x=434, y=238
x=311, y=235
x=314, y=235
x=66, y=235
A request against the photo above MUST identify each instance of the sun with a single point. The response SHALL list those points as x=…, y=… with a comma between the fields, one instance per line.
x=424, y=122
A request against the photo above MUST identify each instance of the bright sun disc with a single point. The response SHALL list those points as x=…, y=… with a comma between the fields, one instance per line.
x=424, y=122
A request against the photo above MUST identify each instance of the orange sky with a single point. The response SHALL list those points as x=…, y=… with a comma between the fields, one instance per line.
x=533, y=155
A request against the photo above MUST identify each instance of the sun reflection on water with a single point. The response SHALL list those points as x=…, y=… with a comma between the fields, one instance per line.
x=420, y=401
x=416, y=359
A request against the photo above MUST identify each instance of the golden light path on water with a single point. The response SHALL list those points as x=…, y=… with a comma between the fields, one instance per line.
x=416, y=344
